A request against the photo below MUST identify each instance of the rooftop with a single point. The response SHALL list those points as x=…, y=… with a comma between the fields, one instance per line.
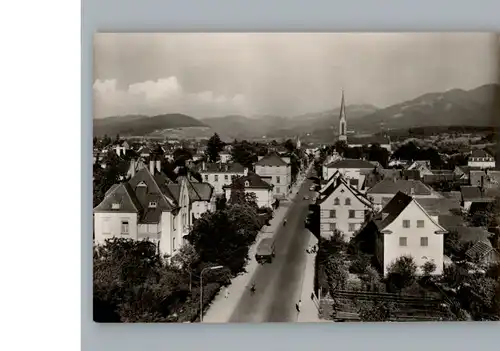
x=351, y=163
x=392, y=186
x=272, y=159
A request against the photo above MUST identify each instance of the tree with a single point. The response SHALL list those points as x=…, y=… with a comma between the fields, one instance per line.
x=336, y=273
x=214, y=148
x=452, y=245
x=376, y=311
x=244, y=153
x=402, y=273
x=379, y=154
x=289, y=145
x=428, y=268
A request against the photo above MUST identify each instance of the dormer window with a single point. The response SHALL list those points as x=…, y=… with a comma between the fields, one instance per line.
x=336, y=201
x=153, y=204
x=247, y=183
x=115, y=206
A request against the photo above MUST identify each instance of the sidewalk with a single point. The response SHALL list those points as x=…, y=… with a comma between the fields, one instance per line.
x=221, y=309
x=309, y=311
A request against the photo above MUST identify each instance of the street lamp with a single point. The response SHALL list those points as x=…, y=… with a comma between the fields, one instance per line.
x=201, y=288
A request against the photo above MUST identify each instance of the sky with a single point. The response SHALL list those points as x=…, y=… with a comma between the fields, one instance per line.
x=285, y=74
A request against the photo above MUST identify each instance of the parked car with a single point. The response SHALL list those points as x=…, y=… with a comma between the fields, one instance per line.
x=265, y=251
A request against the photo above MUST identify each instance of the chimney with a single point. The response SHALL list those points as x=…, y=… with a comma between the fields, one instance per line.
x=158, y=165
x=245, y=172
x=152, y=167
x=203, y=165
x=132, y=163
x=412, y=191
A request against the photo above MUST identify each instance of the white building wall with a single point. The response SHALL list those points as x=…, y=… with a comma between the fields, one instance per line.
x=482, y=164
x=281, y=177
x=264, y=196
x=108, y=225
x=434, y=251
x=341, y=218
x=219, y=180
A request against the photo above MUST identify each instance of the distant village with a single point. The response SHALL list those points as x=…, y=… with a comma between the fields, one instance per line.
x=425, y=215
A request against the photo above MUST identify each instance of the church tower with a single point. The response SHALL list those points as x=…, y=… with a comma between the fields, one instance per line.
x=342, y=121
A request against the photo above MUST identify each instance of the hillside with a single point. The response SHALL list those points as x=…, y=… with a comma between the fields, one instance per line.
x=476, y=107
x=139, y=125
x=280, y=127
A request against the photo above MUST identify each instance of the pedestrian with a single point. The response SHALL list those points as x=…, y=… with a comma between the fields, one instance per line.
x=226, y=293
x=297, y=305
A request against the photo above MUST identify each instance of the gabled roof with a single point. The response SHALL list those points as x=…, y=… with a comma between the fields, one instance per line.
x=450, y=221
x=419, y=164
x=390, y=186
x=471, y=193
x=395, y=207
x=436, y=207
x=135, y=195
x=329, y=182
x=480, y=153
x=271, y=159
x=350, y=163
x=471, y=234
x=341, y=182
x=455, y=196
x=254, y=181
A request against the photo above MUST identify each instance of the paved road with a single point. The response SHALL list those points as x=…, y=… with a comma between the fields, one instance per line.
x=278, y=284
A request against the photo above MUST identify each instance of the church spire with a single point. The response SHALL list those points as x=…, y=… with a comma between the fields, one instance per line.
x=342, y=120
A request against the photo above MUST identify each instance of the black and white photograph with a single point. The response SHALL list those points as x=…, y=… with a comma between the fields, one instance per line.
x=296, y=177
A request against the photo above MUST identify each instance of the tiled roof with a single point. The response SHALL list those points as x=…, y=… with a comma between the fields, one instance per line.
x=471, y=193
x=452, y=195
x=389, y=186
x=436, y=207
x=254, y=181
x=450, y=221
x=392, y=210
x=480, y=153
x=232, y=167
x=411, y=174
x=271, y=159
x=391, y=173
x=338, y=182
x=350, y=163
x=135, y=198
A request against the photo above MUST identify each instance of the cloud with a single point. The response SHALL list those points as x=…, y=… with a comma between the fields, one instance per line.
x=164, y=95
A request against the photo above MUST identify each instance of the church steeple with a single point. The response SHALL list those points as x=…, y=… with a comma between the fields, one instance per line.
x=342, y=120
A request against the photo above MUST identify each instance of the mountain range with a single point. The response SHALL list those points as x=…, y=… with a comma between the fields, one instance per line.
x=476, y=107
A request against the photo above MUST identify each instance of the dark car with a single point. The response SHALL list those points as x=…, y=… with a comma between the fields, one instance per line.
x=265, y=251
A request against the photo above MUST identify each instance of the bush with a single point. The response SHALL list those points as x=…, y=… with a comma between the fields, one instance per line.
x=190, y=311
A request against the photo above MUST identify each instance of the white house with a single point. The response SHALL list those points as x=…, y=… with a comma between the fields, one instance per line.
x=342, y=208
x=151, y=206
x=404, y=228
x=353, y=170
x=481, y=159
x=143, y=208
x=273, y=169
x=388, y=188
x=121, y=148
x=253, y=183
x=220, y=174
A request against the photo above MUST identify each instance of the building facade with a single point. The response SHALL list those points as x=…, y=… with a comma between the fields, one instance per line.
x=220, y=174
x=277, y=172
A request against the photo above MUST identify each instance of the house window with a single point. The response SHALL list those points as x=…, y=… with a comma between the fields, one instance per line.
x=278, y=190
x=216, y=177
x=106, y=227
x=406, y=223
x=351, y=214
x=336, y=201
x=233, y=177
x=125, y=228
x=352, y=227
x=333, y=226
x=115, y=206
x=152, y=204
x=333, y=214
x=348, y=202
x=226, y=177
x=206, y=177
x=173, y=223
x=277, y=179
x=402, y=241
x=420, y=223
x=424, y=241
x=173, y=244
x=247, y=183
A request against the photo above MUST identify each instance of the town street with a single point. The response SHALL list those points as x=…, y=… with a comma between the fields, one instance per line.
x=279, y=284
